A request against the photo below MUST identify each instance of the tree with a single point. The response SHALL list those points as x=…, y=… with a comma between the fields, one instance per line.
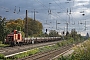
x=73, y=35
x=2, y=29
x=87, y=36
x=15, y=25
x=20, y=23
x=67, y=33
x=53, y=33
x=34, y=27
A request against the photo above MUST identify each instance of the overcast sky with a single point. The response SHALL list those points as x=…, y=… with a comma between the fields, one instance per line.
x=59, y=10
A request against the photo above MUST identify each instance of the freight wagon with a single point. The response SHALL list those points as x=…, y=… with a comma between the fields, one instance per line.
x=15, y=38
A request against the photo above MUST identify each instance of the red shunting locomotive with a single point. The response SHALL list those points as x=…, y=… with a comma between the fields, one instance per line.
x=14, y=38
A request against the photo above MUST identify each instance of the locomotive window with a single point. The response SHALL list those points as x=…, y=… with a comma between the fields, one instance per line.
x=18, y=36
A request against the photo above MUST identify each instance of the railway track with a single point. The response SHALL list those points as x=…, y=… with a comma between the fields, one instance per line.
x=16, y=49
x=47, y=55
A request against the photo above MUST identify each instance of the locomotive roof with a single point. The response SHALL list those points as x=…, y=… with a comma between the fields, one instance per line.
x=11, y=34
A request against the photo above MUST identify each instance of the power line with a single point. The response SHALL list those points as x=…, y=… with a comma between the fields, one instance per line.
x=50, y=11
x=59, y=6
x=44, y=6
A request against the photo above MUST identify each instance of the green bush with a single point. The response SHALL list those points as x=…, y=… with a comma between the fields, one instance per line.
x=59, y=44
x=1, y=56
x=33, y=51
x=81, y=52
x=0, y=42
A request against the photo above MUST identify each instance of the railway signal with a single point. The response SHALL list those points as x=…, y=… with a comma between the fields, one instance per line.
x=46, y=30
x=63, y=32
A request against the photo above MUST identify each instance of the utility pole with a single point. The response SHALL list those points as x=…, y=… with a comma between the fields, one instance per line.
x=56, y=24
x=68, y=20
x=34, y=13
x=85, y=25
x=67, y=27
x=49, y=11
x=68, y=13
x=26, y=26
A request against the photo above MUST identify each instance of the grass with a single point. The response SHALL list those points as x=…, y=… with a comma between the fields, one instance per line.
x=1, y=56
x=28, y=53
x=3, y=45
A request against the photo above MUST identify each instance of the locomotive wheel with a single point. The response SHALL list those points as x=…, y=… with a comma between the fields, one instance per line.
x=12, y=44
x=15, y=43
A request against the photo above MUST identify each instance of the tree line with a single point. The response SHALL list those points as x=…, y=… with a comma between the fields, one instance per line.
x=7, y=26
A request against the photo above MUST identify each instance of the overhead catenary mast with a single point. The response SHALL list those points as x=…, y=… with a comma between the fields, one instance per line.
x=34, y=13
x=26, y=26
